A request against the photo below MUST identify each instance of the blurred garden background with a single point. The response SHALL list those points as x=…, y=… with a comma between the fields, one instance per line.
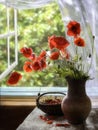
x=34, y=27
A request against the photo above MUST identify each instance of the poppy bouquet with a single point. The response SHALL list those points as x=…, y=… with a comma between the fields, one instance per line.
x=65, y=61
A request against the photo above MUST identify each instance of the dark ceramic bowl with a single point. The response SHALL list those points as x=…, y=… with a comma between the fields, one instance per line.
x=50, y=109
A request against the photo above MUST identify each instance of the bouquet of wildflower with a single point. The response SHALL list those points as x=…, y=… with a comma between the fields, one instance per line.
x=65, y=62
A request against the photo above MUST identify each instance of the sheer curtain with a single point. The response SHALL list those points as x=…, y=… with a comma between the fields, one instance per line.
x=26, y=4
x=85, y=12
x=91, y=8
x=75, y=10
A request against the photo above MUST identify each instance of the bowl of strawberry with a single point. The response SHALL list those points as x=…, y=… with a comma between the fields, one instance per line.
x=50, y=102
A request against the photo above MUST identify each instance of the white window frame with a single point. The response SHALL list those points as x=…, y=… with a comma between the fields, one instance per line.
x=7, y=35
x=26, y=96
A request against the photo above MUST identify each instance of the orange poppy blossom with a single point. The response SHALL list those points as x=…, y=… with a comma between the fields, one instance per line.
x=43, y=54
x=74, y=28
x=39, y=64
x=54, y=55
x=27, y=67
x=14, y=78
x=32, y=57
x=57, y=42
x=27, y=52
x=51, y=42
x=79, y=42
x=36, y=63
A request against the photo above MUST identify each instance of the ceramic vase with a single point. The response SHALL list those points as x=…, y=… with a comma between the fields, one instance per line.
x=76, y=105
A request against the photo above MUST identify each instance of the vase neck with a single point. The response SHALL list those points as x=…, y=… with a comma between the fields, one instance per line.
x=76, y=87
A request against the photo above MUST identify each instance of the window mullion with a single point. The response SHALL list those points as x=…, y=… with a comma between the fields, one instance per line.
x=16, y=35
x=6, y=35
x=8, y=38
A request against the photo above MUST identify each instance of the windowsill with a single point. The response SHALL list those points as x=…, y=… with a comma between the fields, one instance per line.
x=18, y=101
x=26, y=96
x=28, y=91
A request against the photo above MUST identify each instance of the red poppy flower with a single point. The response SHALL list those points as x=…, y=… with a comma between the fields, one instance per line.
x=58, y=42
x=32, y=57
x=73, y=28
x=27, y=52
x=42, y=54
x=51, y=42
x=39, y=64
x=27, y=66
x=54, y=55
x=79, y=42
x=14, y=78
x=36, y=65
x=43, y=64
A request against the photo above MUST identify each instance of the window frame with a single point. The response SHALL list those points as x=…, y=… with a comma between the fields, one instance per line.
x=26, y=96
x=7, y=35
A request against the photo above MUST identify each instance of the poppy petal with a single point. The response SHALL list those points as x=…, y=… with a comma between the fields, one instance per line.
x=14, y=78
x=51, y=42
x=27, y=52
x=74, y=28
x=27, y=66
x=58, y=42
x=54, y=55
x=79, y=42
x=42, y=54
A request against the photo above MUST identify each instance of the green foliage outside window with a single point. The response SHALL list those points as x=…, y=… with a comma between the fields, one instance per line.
x=34, y=27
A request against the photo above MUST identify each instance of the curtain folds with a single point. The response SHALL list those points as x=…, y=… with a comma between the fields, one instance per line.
x=75, y=10
x=26, y=4
x=85, y=12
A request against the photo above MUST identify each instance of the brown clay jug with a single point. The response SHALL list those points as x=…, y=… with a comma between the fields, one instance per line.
x=76, y=105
